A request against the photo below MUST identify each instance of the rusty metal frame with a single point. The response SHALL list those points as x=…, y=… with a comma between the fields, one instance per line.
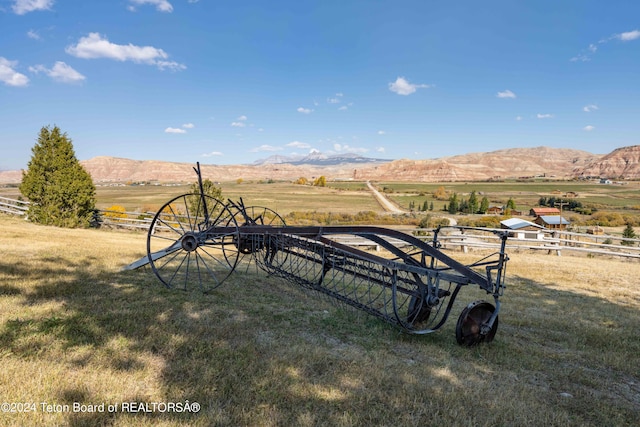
x=414, y=287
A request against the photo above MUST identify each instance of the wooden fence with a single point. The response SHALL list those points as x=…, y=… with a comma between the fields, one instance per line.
x=13, y=207
x=554, y=242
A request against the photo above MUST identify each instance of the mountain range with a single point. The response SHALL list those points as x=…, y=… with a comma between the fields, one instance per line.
x=621, y=163
x=316, y=158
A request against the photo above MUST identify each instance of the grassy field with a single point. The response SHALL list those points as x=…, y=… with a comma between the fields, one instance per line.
x=525, y=194
x=258, y=351
x=352, y=197
x=283, y=197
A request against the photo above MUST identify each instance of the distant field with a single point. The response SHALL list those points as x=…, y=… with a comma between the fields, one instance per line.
x=353, y=197
x=526, y=195
x=280, y=196
x=260, y=351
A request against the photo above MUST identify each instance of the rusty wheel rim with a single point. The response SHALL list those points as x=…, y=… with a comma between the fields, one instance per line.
x=468, y=328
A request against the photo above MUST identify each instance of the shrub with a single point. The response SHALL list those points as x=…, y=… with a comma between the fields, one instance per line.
x=60, y=189
x=115, y=213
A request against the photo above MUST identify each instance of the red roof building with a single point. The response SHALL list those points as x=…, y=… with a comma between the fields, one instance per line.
x=544, y=211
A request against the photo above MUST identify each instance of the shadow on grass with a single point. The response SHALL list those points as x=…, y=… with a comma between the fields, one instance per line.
x=260, y=352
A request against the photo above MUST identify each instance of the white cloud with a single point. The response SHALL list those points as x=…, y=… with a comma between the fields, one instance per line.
x=580, y=57
x=298, y=144
x=9, y=76
x=333, y=100
x=340, y=94
x=381, y=132
x=60, y=72
x=242, y=118
x=174, y=130
x=348, y=149
x=343, y=108
x=161, y=5
x=380, y=149
x=628, y=36
x=586, y=54
x=506, y=94
x=589, y=108
x=402, y=86
x=265, y=147
x=213, y=153
x=518, y=118
x=238, y=124
x=33, y=35
x=188, y=125
x=95, y=46
x=170, y=65
x=589, y=128
x=20, y=7
x=544, y=116
x=304, y=110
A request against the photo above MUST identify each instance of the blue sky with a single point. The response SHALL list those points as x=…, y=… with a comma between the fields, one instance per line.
x=229, y=82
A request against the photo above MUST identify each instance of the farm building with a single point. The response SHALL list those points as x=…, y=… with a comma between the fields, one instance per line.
x=495, y=210
x=540, y=211
x=522, y=229
x=597, y=230
x=555, y=222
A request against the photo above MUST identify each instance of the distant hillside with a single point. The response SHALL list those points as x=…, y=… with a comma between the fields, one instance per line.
x=110, y=169
x=501, y=164
x=622, y=163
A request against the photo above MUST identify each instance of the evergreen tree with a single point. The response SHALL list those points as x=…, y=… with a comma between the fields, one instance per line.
x=453, y=204
x=484, y=205
x=551, y=201
x=431, y=206
x=464, y=206
x=511, y=204
x=60, y=190
x=628, y=233
x=425, y=206
x=473, y=203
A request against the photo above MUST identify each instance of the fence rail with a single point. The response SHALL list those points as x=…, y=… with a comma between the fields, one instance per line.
x=13, y=207
x=556, y=241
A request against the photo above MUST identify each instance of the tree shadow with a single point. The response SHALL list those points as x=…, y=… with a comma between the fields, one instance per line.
x=259, y=349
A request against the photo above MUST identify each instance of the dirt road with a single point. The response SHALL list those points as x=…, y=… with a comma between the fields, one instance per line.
x=384, y=202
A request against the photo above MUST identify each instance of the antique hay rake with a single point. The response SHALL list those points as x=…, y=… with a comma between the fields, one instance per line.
x=196, y=241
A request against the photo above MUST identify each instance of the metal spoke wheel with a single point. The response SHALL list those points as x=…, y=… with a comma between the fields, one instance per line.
x=471, y=328
x=418, y=311
x=267, y=250
x=255, y=215
x=191, y=243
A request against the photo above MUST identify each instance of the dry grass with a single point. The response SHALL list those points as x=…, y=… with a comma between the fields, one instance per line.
x=283, y=197
x=73, y=328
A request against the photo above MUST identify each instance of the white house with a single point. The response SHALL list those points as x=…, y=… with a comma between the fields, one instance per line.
x=522, y=229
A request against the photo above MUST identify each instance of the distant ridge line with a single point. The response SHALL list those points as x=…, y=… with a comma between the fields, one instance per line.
x=556, y=163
